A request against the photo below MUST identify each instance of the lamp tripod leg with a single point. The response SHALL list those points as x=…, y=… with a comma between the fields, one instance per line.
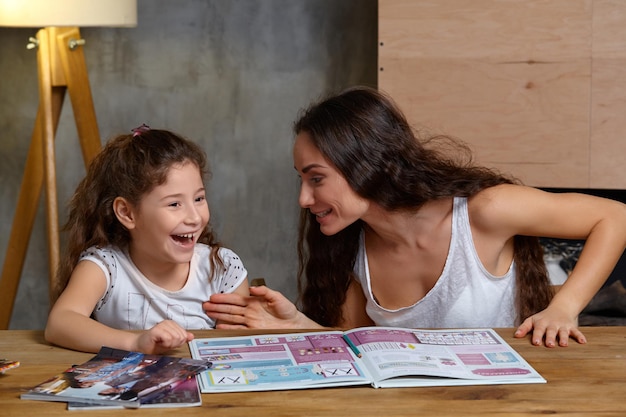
x=25, y=213
x=79, y=90
x=40, y=165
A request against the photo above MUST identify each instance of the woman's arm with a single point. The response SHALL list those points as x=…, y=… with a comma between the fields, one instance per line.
x=70, y=325
x=514, y=210
x=265, y=308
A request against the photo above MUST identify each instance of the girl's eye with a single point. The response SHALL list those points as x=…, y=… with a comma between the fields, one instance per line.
x=174, y=204
x=200, y=199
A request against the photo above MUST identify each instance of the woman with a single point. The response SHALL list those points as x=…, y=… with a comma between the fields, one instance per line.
x=397, y=231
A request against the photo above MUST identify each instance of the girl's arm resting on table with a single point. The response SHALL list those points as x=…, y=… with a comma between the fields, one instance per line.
x=70, y=325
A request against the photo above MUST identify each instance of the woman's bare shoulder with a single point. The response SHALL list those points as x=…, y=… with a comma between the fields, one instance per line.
x=501, y=206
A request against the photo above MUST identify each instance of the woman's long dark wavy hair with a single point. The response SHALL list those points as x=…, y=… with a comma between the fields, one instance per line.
x=129, y=166
x=368, y=139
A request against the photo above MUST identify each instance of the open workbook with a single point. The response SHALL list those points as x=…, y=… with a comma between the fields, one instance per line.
x=379, y=356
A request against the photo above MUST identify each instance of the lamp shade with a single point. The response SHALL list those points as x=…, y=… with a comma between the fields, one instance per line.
x=42, y=13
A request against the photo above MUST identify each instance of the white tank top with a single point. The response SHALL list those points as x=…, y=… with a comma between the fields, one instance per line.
x=133, y=302
x=465, y=295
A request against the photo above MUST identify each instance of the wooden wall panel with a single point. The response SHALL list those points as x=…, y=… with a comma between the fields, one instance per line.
x=513, y=78
x=608, y=110
x=488, y=29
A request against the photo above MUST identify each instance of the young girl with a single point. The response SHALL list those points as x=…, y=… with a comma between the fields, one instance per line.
x=141, y=255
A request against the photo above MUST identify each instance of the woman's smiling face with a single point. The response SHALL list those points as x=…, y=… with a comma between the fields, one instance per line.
x=323, y=190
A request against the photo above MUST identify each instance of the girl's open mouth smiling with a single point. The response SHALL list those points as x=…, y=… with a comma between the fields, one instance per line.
x=185, y=239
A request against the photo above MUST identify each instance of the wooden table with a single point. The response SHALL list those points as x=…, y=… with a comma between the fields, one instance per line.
x=583, y=380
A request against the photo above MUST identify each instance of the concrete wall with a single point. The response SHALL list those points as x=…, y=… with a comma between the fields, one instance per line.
x=232, y=75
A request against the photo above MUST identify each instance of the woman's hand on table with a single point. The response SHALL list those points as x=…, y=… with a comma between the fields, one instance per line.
x=550, y=326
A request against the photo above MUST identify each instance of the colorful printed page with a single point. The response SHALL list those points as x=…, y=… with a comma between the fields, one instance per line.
x=408, y=357
x=275, y=362
x=117, y=377
x=183, y=393
x=6, y=364
x=379, y=356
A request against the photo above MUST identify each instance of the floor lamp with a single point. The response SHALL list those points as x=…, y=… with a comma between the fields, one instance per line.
x=61, y=69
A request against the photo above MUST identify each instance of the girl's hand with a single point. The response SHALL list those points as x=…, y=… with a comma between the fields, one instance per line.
x=551, y=325
x=165, y=336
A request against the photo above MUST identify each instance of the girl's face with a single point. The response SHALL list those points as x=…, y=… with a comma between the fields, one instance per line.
x=324, y=191
x=170, y=218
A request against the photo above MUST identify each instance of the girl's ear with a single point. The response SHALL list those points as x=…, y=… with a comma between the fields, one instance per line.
x=124, y=212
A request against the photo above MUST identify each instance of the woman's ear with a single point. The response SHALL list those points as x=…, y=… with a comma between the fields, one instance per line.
x=124, y=212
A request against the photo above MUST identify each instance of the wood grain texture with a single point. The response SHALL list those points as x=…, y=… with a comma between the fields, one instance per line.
x=533, y=87
x=583, y=380
x=608, y=95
